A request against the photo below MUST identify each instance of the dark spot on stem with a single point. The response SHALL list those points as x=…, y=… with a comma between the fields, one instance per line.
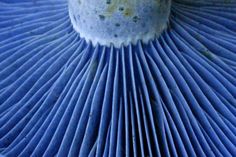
x=102, y=17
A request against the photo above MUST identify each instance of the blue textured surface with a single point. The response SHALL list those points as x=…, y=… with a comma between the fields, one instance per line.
x=119, y=22
x=175, y=96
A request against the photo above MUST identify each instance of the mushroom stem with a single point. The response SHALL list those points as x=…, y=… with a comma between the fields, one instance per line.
x=119, y=22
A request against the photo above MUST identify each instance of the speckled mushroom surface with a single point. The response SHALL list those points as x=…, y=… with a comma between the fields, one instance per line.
x=119, y=22
x=116, y=78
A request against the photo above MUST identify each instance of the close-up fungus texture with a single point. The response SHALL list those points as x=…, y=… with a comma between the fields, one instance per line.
x=117, y=78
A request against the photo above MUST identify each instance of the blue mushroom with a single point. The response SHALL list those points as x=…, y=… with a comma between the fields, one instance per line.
x=94, y=78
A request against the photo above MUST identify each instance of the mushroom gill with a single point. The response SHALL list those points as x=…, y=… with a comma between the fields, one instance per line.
x=117, y=78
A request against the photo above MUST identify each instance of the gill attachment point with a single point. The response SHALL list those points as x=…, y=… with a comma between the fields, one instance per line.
x=119, y=22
